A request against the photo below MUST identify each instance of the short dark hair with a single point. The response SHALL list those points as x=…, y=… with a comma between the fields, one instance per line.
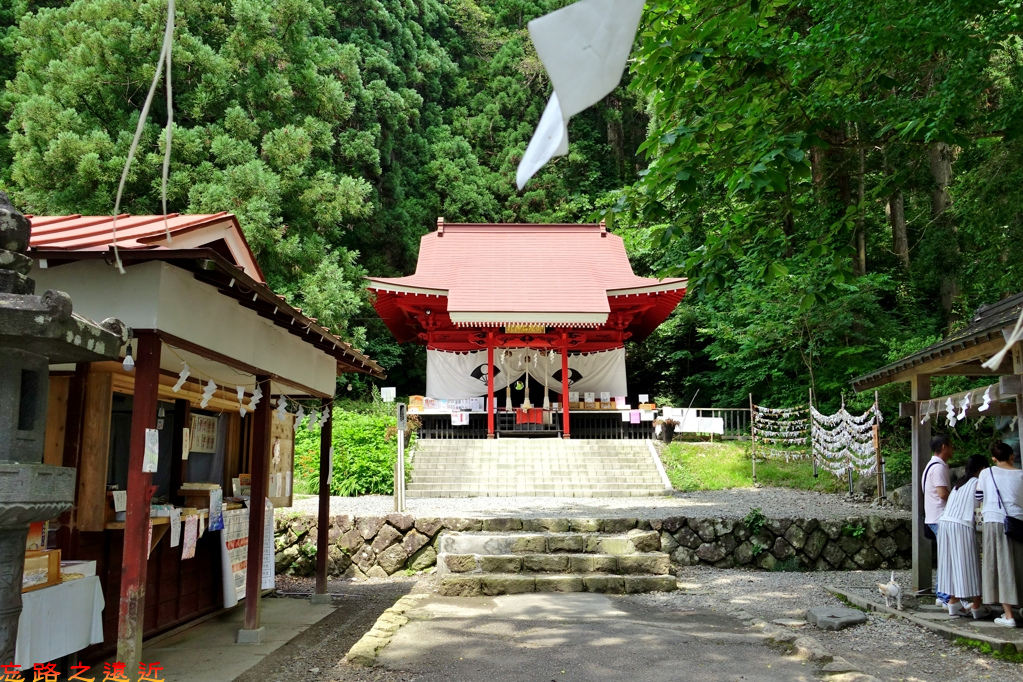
x=1001, y=451
x=938, y=442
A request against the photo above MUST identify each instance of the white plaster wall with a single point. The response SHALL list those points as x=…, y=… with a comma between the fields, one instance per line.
x=160, y=296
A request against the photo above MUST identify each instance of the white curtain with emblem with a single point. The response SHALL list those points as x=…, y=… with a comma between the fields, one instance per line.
x=464, y=375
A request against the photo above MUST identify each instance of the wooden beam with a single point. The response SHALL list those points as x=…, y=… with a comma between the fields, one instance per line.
x=975, y=368
x=56, y=420
x=259, y=458
x=90, y=511
x=920, y=389
x=140, y=490
x=323, y=515
x=946, y=363
x=1011, y=385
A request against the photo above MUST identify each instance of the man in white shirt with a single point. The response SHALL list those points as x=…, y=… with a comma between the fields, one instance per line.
x=936, y=483
x=936, y=486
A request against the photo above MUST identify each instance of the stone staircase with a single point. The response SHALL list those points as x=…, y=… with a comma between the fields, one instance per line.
x=495, y=563
x=507, y=467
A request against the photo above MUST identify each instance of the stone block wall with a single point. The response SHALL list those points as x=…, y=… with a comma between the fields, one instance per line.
x=379, y=546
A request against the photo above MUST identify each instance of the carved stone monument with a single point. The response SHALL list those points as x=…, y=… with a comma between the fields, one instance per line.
x=34, y=331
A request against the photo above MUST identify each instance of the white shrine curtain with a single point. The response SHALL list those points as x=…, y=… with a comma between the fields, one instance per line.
x=464, y=375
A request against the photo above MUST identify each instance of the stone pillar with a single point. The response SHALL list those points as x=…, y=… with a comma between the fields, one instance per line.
x=34, y=331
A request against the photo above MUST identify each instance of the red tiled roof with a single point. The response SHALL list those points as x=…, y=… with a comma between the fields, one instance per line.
x=510, y=272
x=96, y=233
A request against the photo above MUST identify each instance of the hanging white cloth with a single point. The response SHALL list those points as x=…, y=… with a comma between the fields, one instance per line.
x=464, y=375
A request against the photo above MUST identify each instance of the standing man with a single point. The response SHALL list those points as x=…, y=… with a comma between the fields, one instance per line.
x=936, y=486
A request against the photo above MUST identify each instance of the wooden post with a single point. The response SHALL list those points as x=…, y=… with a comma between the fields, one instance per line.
x=136, y=522
x=259, y=456
x=809, y=414
x=564, y=384
x=491, y=407
x=879, y=465
x=67, y=531
x=753, y=438
x=323, y=515
x=182, y=419
x=920, y=389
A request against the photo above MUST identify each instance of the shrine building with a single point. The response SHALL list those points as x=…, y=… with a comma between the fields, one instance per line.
x=510, y=314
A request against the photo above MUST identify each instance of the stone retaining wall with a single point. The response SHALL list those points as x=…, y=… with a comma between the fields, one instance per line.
x=379, y=546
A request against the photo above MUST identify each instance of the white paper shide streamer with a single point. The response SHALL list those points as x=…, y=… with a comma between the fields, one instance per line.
x=584, y=48
x=844, y=442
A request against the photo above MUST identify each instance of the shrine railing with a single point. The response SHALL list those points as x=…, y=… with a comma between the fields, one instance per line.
x=736, y=420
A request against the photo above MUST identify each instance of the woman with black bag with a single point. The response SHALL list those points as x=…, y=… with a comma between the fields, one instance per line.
x=1001, y=489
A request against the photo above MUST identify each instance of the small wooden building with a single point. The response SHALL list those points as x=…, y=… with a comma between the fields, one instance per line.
x=195, y=298
x=961, y=354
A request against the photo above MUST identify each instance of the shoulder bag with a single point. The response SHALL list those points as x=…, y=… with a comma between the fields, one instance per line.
x=1013, y=525
x=928, y=533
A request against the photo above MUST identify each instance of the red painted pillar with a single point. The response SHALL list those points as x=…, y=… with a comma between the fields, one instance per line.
x=491, y=408
x=323, y=516
x=136, y=521
x=564, y=384
x=259, y=458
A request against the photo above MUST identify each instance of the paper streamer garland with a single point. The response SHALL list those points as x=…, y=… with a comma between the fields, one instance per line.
x=787, y=427
x=843, y=441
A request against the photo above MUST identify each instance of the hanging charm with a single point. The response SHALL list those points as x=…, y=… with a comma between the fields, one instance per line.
x=987, y=400
x=207, y=394
x=182, y=377
x=299, y=416
x=282, y=408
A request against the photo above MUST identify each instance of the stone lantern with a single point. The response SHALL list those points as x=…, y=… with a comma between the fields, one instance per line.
x=34, y=332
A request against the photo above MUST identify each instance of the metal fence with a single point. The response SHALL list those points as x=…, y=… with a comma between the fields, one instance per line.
x=595, y=425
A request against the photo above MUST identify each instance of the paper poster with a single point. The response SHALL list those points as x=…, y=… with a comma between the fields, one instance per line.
x=588, y=397
x=635, y=416
x=202, y=525
x=175, y=524
x=387, y=394
x=151, y=458
x=573, y=396
x=620, y=402
x=269, y=573
x=204, y=433
x=644, y=398
x=459, y=418
x=287, y=480
x=626, y=415
x=120, y=500
x=149, y=545
x=191, y=535
x=605, y=396
x=647, y=415
x=234, y=547
x=216, y=509
x=186, y=443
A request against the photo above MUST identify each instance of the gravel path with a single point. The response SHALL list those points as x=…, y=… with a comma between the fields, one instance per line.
x=735, y=503
x=886, y=647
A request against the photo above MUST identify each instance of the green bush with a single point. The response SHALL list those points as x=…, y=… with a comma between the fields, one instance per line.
x=365, y=448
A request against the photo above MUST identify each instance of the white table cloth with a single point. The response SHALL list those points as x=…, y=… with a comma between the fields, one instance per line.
x=59, y=620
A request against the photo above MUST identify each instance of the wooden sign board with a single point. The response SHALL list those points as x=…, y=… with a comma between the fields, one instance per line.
x=525, y=329
x=282, y=459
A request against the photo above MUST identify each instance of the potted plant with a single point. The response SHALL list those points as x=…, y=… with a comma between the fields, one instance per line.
x=668, y=429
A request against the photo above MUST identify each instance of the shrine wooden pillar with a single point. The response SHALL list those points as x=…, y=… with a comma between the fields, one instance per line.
x=320, y=595
x=491, y=408
x=259, y=460
x=132, y=606
x=920, y=389
x=564, y=384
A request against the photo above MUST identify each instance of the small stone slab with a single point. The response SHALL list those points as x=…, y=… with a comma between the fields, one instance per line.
x=835, y=617
x=789, y=622
x=839, y=665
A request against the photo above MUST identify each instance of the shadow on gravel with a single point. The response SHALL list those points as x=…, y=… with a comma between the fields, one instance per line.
x=316, y=653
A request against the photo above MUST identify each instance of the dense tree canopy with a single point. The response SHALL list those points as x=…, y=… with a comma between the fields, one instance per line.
x=839, y=180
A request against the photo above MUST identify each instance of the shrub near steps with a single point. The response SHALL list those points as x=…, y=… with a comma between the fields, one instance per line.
x=474, y=564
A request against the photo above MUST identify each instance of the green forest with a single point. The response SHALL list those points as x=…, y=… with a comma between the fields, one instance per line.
x=842, y=182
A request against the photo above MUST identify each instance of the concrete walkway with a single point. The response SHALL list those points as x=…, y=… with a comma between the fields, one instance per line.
x=208, y=651
x=923, y=612
x=566, y=637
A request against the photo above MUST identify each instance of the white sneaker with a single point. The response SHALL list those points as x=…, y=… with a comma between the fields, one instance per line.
x=938, y=601
x=956, y=609
x=1005, y=622
x=983, y=612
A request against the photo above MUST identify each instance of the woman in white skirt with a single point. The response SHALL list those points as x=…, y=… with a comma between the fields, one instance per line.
x=1001, y=489
x=958, y=555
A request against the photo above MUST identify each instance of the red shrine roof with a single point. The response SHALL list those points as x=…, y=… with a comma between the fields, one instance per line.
x=488, y=275
x=147, y=232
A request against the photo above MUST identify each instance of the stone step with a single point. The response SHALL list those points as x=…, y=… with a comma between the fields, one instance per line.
x=496, y=543
x=485, y=492
x=579, y=486
x=495, y=584
x=538, y=477
x=654, y=563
